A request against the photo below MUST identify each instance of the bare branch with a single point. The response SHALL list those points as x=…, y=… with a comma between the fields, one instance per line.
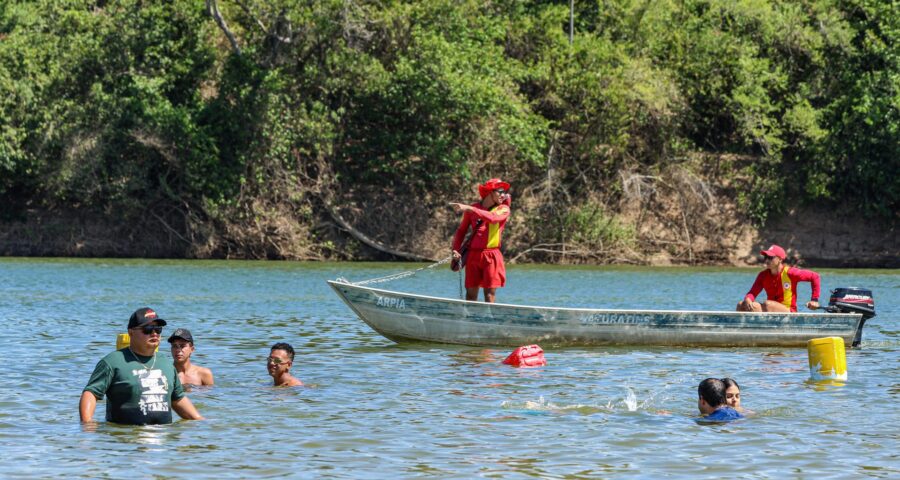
x=213, y=8
x=262, y=25
x=323, y=188
x=249, y=13
x=170, y=229
x=564, y=249
x=365, y=239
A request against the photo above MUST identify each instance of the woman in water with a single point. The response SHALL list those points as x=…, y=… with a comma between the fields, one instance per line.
x=733, y=394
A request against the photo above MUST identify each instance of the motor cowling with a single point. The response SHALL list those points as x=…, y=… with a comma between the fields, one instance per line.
x=852, y=300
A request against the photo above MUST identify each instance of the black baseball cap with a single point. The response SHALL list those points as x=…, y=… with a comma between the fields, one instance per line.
x=143, y=316
x=181, y=333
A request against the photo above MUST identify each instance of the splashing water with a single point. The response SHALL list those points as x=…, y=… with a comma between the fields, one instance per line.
x=630, y=400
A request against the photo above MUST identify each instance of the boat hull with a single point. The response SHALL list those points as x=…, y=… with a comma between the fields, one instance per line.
x=404, y=317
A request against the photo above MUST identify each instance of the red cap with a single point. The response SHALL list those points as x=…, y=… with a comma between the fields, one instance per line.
x=491, y=185
x=774, y=251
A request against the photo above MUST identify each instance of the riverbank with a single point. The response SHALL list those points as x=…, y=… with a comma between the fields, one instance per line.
x=813, y=238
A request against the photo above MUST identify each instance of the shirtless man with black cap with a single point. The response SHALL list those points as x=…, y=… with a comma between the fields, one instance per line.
x=182, y=347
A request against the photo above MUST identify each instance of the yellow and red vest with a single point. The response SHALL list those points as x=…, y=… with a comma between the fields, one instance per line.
x=488, y=232
x=787, y=293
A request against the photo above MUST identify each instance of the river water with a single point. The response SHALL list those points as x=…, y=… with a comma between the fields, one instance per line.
x=376, y=409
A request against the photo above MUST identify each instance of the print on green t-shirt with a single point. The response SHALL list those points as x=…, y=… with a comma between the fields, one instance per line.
x=139, y=390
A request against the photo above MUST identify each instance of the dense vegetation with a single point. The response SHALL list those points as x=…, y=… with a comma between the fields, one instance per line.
x=238, y=125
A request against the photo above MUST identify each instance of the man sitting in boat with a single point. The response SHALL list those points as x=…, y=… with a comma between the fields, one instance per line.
x=780, y=283
x=487, y=218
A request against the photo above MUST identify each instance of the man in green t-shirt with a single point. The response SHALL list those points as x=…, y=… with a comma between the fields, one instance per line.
x=139, y=389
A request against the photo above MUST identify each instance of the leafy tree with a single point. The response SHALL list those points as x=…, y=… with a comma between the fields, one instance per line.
x=240, y=120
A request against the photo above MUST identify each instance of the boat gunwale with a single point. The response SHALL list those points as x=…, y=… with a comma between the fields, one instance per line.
x=335, y=283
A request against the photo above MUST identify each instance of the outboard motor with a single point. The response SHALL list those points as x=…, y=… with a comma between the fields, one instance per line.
x=853, y=300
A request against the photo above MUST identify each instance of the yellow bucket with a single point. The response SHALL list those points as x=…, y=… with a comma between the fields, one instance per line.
x=827, y=359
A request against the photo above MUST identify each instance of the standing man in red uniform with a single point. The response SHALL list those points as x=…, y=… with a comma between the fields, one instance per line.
x=487, y=218
x=780, y=283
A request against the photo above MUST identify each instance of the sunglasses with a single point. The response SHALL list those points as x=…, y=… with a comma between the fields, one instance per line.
x=501, y=191
x=276, y=361
x=148, y=329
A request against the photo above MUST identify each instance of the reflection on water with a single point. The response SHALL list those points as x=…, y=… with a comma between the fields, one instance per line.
x=825, y=384
x=384, y=410
x=148, y=435
x=143, y=435
x=474, y=357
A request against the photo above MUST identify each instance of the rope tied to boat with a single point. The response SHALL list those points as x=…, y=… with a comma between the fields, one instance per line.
x=396, y=276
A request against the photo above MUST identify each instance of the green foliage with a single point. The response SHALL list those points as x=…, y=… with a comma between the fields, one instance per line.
x=449, y=85
x=764, y=196
x=590, y=225
x=861, y=152
x=105, y=102
x=120, y=105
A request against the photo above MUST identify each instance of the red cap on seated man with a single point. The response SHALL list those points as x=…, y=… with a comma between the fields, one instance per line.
x=774, y=251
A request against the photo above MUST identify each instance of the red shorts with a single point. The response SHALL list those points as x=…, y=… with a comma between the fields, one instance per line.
x=485, y=269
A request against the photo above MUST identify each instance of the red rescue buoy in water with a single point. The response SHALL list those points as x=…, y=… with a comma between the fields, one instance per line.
x=526, y=356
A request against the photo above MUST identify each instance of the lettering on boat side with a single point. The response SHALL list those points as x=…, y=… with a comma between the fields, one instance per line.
x=614, y=318
x=389, y=302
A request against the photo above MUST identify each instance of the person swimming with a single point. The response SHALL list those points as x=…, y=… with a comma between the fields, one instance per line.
x=279, y=363
x=733, y=396
x=712, y=404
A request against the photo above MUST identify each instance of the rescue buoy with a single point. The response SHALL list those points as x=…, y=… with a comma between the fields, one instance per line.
x=827, y=359
x=526, y=356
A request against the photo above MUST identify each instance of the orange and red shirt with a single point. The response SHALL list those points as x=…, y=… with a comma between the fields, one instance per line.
x=782, y=287
x=487, y=235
